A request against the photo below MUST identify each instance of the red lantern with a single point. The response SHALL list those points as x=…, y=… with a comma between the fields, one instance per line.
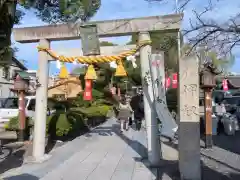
x=87, y=96
x=225, y=85
x=174, y=81
x=167, y=82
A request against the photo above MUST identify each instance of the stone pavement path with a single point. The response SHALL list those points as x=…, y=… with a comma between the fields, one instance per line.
x=103, y=154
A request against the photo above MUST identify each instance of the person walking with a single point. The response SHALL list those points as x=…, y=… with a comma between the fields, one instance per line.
x=138, y=109
x=125, y=112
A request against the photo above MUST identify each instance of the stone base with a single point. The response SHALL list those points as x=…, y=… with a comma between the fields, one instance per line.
x=147, y=163
x=32, y=159
x=189, y=151
x=208, y=141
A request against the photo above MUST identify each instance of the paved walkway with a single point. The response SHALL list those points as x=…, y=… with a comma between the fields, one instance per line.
x=103, y=154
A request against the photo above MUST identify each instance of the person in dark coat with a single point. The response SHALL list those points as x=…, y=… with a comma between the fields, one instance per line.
x=137, y=106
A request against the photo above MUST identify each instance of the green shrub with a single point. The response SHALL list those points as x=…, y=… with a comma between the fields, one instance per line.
x=93, y=111
x=65, y=123
x=98, y=98
x=13, y=124
x=58, y=125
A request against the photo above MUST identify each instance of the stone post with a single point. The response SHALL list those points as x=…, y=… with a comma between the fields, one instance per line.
x=153, y=142
x=41, y=105
x=189, y=129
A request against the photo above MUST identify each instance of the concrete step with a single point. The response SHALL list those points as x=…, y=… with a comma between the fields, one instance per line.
x=2, y=126
x=8, y=135
x=169, y=153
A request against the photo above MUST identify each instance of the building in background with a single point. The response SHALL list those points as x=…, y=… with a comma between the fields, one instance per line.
x=7, y=75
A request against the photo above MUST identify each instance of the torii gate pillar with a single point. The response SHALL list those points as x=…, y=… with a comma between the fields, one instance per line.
x=153, y=143
x=41, y=104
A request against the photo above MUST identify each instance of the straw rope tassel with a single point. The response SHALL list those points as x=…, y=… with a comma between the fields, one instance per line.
x=91, y=73
x=63, y=74
x=120, y=70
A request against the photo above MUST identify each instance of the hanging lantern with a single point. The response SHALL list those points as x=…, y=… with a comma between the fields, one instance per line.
x=167, y=82
x=91, y=73
x=120, y=70
x=174, y=81
x=225, y=85
x=87, y=96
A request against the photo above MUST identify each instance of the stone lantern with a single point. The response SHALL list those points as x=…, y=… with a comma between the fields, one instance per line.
x=207, y=77
x=21, y=86
x=207, y=83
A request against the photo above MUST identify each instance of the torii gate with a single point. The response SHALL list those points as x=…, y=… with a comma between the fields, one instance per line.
x=45, y=34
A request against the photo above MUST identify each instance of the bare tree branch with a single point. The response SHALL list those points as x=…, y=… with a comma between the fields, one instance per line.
x=218, y=35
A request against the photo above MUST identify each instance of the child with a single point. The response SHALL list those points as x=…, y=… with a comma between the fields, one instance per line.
x=124, y=114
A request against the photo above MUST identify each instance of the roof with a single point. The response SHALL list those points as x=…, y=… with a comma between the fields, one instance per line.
x=24, y=75
x=19, y=64
x=233, y=80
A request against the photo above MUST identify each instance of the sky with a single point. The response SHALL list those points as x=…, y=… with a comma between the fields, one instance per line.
x=116, y=9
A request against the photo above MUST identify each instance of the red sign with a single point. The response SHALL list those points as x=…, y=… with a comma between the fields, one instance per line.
x=174, y=81
x=87, y=96
x=167, y=82
x=225, y=85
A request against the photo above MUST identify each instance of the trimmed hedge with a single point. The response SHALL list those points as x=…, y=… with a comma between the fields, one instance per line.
x=61, y=123
x=93, y=111
x=103, y=97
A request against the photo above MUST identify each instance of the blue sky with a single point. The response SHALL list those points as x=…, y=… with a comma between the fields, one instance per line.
x=115, y=9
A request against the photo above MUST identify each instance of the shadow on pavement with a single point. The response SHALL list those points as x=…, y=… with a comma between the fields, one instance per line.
x=12, y=161
x=209, y=173
x=168, y=168
x=229, y=143
x=22, y=177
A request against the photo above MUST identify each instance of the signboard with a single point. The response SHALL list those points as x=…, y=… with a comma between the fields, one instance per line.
x=174, y=81
x=225, y=85
x=87, y=96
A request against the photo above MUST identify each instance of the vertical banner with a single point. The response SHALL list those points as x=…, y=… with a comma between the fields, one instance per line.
x=225, y=85
x=87, y=96
x=174, y=81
